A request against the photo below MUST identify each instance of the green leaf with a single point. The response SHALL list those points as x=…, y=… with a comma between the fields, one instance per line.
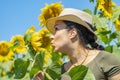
x=116, y=51
x=16, y=43
x=47, y=77
x=54, y=71
x=105, y=39
x=113, y=36
x=78, y=72
x=27, y=38
x=20, y=67
x=118, y=38
x=105, y=32
x=109, y=49
x=55, y=57
x=104, y=36
x=31, y=50
x=91, y=0
x=118, y=44
x=99, y=22
x=89, y=75
x=38, y=63
x=116, y=15
x=39, y=60
x=88, y=11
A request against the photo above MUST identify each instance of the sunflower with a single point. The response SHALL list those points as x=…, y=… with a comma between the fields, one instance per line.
x=5, y=52
x=106, y=7
x=47, y=55
x=117, y=24
x=30, y=30
x=41, y=40
x=50, y=11
x=18, y=44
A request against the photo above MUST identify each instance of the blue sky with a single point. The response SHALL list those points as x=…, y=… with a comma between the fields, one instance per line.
x=16, y=16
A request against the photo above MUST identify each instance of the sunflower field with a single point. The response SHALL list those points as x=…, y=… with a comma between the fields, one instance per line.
x=25, y=55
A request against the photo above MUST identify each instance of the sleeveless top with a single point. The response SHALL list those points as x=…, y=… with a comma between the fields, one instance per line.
x=104, y=65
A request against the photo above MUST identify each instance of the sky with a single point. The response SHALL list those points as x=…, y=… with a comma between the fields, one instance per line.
x=16, y=16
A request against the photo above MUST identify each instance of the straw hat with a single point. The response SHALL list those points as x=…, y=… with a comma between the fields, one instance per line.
x=73, y=15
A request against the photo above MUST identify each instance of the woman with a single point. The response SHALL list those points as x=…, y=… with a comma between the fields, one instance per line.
x=73, y=35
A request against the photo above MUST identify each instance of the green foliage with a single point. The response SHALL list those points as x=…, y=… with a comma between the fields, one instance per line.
x=55, y=57
x=116, y=14
x=118, y=38
x=116, y=51
x=78, y=72
x=38, y=63
x=20, y=66
x=16, y=43
x=91, y=0
x=27, y=38
x=89, y=75
x=53, y=71
x=109, y=49
x=88, y=11
x=99, y=22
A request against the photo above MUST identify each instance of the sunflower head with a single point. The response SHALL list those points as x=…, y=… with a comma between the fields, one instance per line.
x=40, y=40
x=18, y=44
x=106, y=6
x=30, y=30
x=5, y=51
x=50, y=11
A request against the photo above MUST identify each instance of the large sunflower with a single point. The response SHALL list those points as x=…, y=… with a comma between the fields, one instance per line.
x=40, y=40
x=5, y=52
x=106, y=7
x=49, y=11
x=19, y=44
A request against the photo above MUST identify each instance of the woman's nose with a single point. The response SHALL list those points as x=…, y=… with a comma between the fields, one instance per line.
x=52, y=37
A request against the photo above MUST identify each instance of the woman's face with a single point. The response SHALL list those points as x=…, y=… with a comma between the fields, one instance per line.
x=60, y=39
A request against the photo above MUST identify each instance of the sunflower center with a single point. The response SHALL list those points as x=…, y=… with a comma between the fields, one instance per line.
x=45, y=42
x=4, y=50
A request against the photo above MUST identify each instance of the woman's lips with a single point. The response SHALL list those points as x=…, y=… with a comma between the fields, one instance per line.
x=53, y=45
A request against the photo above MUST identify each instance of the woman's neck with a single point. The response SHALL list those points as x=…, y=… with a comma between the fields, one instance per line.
x=78, y=55
x=83, y=57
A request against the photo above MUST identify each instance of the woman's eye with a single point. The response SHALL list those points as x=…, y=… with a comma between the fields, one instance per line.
x=56, y=29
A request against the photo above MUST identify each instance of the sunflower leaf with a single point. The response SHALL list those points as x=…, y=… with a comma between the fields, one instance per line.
x=78, y=72
x=20, y=67
x=38, y=63
x=54, y=71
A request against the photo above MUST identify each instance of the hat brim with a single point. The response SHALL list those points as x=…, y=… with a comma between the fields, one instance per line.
x=51, y=22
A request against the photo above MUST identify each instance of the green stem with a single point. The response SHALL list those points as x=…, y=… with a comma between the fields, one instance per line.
x=96, y=6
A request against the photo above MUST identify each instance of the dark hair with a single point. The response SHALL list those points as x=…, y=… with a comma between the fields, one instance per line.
x=86, y=37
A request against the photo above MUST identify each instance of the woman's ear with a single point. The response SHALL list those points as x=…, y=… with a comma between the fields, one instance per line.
x=72, y=33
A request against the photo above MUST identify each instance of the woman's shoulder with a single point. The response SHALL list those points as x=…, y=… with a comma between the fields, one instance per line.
x=106, y=56
x=107, y=60
x=106, y=63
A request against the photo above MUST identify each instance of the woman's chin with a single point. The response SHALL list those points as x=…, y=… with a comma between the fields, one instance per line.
x=56, y=49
